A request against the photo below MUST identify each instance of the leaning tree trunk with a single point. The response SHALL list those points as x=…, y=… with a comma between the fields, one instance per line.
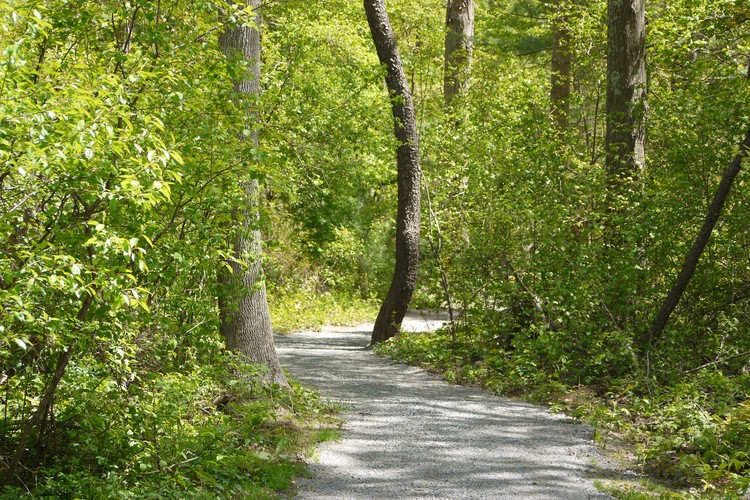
x=561, y=62
x=626, y=90
x=408, y=217
x=243, y=306
x=459, y=47
x=691, y=261
x=49, y=393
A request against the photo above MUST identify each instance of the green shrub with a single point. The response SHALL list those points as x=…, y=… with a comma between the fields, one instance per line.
x=161, y=436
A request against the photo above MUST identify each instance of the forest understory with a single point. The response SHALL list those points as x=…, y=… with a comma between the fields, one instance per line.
x=659, y=439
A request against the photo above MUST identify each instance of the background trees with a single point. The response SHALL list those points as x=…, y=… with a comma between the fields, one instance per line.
x=459, y=46
x=626, y=89
x=561, y=60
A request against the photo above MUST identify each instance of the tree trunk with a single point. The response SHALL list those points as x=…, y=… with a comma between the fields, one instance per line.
x=408, y=217
x=459, y=47
x=691, y=261
x=561, y=62
x=243, y=306
x=49, y=394
x=626, y=90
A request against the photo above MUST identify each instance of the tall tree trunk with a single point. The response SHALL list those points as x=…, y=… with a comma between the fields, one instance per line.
x=408, y=217
x=626, y=126
x=626, y=90
x=459, y=47
x=691, y=261
x=561, y=62
x=243, y=305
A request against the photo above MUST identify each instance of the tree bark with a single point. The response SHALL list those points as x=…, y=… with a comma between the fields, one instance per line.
x=691, y=261
x=626, y=90
x=561, y=63
x=243, y=305
x=408, y=216
x=459, y=47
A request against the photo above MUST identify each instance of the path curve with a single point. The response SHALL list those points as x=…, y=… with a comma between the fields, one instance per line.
x=409, y=435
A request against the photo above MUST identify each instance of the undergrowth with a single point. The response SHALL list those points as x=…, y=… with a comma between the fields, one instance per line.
x=163, y=435
x=303, y=309
x=692, y=430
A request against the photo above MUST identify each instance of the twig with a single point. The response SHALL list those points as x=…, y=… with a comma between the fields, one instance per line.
x=534, y=51
x=718, y=361
x=436, y=250
x=19, y=204
x=169, y=467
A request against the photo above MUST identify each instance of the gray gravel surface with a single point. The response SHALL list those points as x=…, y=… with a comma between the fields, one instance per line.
x=409, y=435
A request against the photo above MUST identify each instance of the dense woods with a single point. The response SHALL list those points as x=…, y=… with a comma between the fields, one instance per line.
x=584, y=217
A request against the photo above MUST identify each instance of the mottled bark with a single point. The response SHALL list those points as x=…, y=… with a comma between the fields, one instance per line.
x=561, y=63
x=626, y=89
x=408, y=216
x=691, y=261
x=243, y=305
x=459, y=47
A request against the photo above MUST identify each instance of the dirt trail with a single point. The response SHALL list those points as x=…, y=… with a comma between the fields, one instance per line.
x=410, y=435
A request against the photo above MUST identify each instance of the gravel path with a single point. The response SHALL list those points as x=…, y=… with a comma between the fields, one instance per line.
x=410, y=435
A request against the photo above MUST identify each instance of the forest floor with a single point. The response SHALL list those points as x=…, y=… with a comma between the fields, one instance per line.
x=410, y=435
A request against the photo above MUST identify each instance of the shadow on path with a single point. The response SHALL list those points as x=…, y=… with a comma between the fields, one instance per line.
x=410, y=435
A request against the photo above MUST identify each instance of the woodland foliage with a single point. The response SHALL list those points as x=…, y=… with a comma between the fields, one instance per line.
x=119, y=173
x=119, y=146
x=522, y=225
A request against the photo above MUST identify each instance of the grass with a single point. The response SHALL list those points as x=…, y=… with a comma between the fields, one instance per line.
x=328, y=435
x=304, y=310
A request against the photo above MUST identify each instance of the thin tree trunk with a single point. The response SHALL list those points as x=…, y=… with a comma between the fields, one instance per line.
x=408, y=217
x=62, y=363
x=459, y=47
x=243, y=305
x=691, y=261
x=626, y=90
x=561, y=63
x=436, y=251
